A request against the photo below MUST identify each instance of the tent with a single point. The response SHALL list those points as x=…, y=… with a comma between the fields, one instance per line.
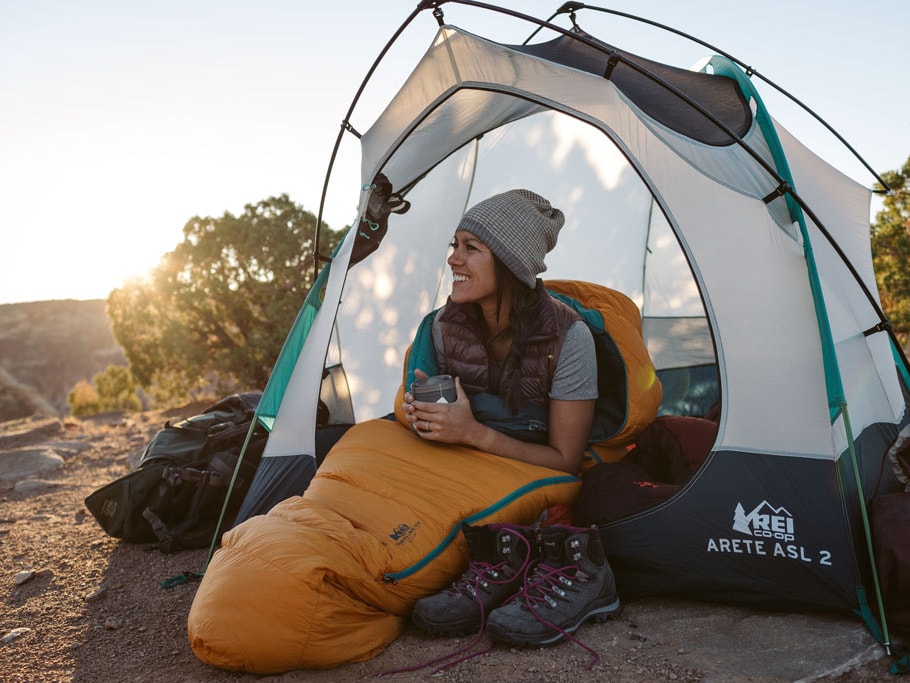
x=747, y=255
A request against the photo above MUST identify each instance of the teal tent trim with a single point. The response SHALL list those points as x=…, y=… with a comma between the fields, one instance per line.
x=880, y=632
x=899, y=362
x=274, y=390
x=835, y=388
x=864, y=612
x=837, y=397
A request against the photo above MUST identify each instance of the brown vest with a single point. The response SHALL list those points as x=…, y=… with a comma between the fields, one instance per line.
x=468, y=358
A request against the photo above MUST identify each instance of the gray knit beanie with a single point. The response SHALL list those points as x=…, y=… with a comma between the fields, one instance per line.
x=520, y=228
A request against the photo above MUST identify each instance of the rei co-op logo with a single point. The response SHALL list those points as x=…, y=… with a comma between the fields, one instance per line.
x=766, y=530
x=404, y=532
x=764, y=521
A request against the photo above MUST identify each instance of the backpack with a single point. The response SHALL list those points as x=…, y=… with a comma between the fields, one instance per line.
x=176, y=495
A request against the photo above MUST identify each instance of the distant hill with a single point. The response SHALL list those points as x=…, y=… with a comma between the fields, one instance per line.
x=46, y=347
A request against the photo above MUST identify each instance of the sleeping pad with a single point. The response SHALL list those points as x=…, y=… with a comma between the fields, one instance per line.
x=331, y=576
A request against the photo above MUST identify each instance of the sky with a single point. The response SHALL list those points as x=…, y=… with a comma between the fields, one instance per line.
x=119, y=121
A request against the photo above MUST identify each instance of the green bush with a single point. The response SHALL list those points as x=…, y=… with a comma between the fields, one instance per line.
x=115, y=388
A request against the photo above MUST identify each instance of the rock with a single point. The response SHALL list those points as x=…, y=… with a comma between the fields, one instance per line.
x=18, y=433
x=33, y=485
x=12, y=635
x=68, y=447
x=113, y=623
x=28, y=463
x=25, y=576
x=29, y=574
x=96, y=595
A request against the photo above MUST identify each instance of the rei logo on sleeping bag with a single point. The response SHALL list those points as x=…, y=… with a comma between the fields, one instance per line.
x=403, y=532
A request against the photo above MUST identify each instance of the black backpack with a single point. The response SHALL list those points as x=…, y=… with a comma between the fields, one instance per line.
x=176, y=495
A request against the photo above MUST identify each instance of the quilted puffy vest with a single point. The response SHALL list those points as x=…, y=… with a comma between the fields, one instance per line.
x=629, y=390
x=468, y=358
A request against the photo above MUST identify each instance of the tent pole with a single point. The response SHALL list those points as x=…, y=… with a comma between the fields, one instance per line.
x=346, y=127
x=227, y=496
x=196, y=576
x=574, y=6
x=867, y=532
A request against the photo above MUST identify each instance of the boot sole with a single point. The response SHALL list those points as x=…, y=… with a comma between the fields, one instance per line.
x=597, y=614
x=463, y=628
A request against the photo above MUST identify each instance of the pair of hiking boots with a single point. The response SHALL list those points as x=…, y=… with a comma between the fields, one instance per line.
x=526, y=587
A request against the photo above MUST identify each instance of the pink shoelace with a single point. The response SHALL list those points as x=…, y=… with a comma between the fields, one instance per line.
x=542, y=585
x=470, y=582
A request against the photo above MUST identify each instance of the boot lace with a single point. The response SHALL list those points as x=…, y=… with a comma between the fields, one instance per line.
x=548, y=585
x=478, y=577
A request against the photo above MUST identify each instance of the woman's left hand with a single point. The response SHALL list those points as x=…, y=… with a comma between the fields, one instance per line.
x=445, y=422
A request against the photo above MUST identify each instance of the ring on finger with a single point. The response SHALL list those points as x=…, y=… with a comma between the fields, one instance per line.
x=426, y=425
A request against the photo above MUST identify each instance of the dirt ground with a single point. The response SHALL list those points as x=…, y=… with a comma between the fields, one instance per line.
x=78, y=605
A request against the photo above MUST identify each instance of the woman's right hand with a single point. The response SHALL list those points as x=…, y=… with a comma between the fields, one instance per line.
x=444, y=422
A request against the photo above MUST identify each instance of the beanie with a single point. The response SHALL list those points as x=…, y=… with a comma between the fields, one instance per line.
x=520, y=228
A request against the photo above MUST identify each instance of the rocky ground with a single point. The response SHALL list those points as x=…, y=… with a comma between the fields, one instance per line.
x=78, y=605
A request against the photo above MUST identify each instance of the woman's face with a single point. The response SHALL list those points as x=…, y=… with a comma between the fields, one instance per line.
x=473, y=273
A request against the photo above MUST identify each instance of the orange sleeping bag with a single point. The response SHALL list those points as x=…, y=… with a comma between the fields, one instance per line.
x=330, y=577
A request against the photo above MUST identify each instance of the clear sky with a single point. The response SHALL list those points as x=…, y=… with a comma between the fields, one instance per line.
x=121, y=120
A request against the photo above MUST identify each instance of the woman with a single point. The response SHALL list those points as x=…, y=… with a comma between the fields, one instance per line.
x=509, y=344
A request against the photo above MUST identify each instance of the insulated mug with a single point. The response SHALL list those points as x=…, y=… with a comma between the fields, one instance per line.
x=435, y=389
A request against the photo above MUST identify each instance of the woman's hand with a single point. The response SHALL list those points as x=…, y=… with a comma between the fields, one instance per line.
x=570, y=423
x=445, y=422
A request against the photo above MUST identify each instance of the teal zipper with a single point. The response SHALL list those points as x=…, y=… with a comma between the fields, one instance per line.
x=395, y=577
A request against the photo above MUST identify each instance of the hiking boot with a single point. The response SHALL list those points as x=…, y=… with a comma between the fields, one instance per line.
x=500, y=554
x=572, y=583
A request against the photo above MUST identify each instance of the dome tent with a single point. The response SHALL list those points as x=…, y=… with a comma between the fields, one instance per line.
x=746, y=253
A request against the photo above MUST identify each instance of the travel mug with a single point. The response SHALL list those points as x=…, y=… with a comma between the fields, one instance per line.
x=435, y=389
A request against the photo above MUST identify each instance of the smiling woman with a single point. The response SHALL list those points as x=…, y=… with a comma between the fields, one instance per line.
x=491, y=334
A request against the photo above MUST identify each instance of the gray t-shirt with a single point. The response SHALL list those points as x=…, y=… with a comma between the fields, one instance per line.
x=575, y=378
